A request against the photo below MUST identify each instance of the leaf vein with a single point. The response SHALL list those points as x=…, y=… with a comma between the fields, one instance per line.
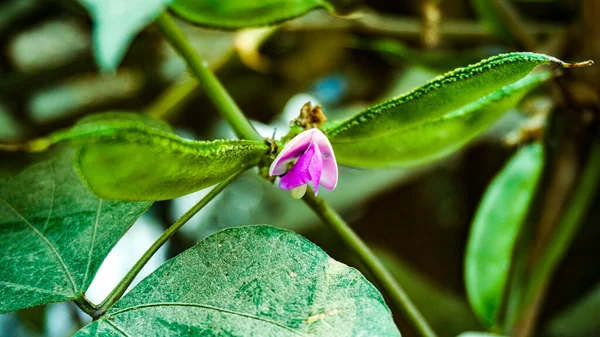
x=87, y=269
x=118, y=328
x=209, y=307
x=36, y=289
x=45, y=239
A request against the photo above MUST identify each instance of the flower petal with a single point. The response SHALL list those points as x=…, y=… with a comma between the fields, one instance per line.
x=329, y=175
x=291, y=151
x=299, y=173
x=298, y=192
x=315, y=167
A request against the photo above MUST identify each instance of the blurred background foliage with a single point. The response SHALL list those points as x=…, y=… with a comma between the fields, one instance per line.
x=416, y=219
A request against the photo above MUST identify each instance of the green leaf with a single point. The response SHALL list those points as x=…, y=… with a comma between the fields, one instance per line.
x=250, y=281
x=120, y=116
x=580, y=319
x=130, y=157
x=442, y=60
x=503, y=20
x=501, y=213
x=478, y=334
x=235, y=14
x=439, y=117
x=10, y=129
x=54, y=234
x=116, y=23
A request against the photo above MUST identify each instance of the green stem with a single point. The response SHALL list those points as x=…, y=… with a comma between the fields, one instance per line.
x=214, y=89
x=565, y=232
x=119, y=290
x=381, y=274
x=84, y=304
x=244, y=129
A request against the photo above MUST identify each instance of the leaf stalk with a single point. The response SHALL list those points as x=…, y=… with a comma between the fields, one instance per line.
x=84, y=304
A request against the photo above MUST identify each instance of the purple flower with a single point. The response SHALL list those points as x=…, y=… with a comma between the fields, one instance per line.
x=313, y=160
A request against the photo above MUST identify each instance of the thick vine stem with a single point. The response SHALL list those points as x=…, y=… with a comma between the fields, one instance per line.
x=381, y=274
x=119, y=290
x=214, y=89
x=244, y=129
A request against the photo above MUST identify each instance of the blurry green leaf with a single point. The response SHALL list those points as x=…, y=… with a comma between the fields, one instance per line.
x=54, y=234
x=571, y=221
x=116, y=23
x=234, y=14
x=579, y=320
x=439, y=117
x=478, y=334
x=13, y=11
x=10, y=129
x=442, y=60
x=50, y=44
x=503, y=20
x=496, y=225
x=77, y=94
x=131, y=157
x=250, y=281
x=518, y=278
x=119, y=116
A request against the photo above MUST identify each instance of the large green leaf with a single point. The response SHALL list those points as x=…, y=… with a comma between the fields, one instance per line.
x=438, y=117
x=54, y=234
x=250, y=281
x=116, y=23
x=502, y=211
x=234, y=14
x=129, y=157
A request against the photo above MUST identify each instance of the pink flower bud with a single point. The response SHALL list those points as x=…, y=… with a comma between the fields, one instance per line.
x=313, y=159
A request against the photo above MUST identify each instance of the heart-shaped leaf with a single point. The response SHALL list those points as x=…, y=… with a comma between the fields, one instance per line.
x=502, y=211
x=235, y=14
x=54, y=234
x=130, y=157
x=438, y=117
x=116, y=23
x=250, y=281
